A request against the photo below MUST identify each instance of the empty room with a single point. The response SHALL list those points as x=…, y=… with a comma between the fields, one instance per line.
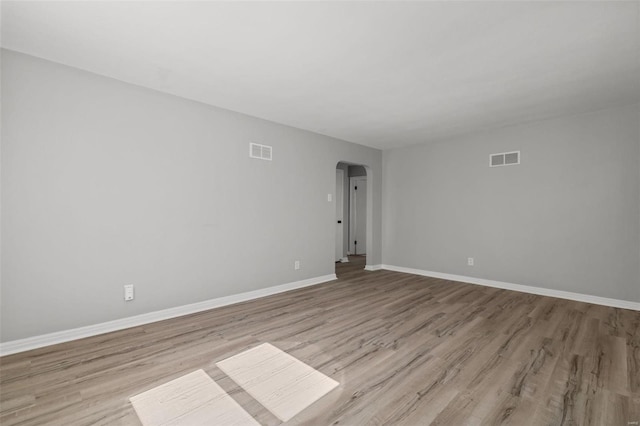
x=320, y=213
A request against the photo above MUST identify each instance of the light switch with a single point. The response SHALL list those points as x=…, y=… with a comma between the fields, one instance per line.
x=128, y=292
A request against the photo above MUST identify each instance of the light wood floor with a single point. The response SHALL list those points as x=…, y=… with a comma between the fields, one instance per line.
x=405, y=349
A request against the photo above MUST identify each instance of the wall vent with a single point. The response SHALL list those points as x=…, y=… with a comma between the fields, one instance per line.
x=504, y=159
x=261, y=152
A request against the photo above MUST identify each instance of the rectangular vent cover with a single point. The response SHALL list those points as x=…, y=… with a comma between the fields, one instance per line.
x=261, y=152
x=504, y=159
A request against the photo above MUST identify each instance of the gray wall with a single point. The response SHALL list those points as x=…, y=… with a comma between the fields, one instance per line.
x=566, y=218
x=105, y=183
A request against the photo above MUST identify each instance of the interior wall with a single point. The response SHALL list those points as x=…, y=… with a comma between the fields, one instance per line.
x=105, y=183
x=566, y=218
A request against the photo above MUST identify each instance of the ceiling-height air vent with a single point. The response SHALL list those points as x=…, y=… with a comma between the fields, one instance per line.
x=504, y=159
x=261, y=152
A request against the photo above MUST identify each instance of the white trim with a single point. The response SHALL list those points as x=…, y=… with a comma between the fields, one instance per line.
x=372, y=267
x=579, y=297
x=35, y=342
x=344, y=260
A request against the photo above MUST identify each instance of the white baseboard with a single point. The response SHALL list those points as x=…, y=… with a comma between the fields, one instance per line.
x=344, y=260
x=35, y=342
x=372, y=267
x=579, y=297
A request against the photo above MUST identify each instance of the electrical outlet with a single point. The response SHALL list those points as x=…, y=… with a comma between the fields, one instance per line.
x=470, y=261
x=128, y=292
x=296, y=265
x=329, y=197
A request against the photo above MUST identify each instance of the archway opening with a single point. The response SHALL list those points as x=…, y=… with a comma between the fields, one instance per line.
x=352, y=217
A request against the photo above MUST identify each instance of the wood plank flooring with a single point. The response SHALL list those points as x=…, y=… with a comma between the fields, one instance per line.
x=405, y=349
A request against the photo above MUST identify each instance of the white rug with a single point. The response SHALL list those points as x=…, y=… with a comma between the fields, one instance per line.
x=191, y=400
x=281, y=383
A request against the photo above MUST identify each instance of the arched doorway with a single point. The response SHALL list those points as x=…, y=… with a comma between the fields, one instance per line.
x=353, y=204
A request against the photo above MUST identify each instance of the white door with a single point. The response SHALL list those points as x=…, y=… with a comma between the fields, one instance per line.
x=339, y=196
x=358, y=216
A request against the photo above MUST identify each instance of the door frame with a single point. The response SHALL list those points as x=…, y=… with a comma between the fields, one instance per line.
x=339, y=202
x=353, y=212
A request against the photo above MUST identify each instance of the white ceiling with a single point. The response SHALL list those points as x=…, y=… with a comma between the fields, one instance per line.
x=382, y=74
